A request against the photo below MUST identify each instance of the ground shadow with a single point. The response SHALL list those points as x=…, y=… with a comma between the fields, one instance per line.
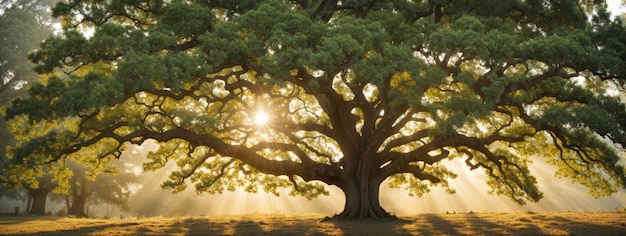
x=196, y=226
x=585, y=228
x=511, y=226
x=515, y=224
x=436, y=224
x=84, y=230
x=373, y=227
x=423, y=224
x=10, y=220
x=285, y=225
x=248, y=227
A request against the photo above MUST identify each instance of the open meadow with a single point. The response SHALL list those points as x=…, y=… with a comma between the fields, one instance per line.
x=526, y=223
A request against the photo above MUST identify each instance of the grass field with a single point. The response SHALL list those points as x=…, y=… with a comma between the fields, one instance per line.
x=561, y=223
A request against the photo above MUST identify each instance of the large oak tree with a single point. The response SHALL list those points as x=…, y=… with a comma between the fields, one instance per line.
x=355, y=92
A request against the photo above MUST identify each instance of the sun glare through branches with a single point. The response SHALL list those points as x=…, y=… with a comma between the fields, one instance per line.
x=261, y=118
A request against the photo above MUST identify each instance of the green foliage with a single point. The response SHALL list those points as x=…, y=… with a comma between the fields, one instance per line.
x=357, y=92
x=418, y=187
x=185, y=20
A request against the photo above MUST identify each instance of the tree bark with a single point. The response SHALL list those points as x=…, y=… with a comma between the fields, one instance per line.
x=362, y=201
x=80, y=192
x=29, y=202
x=78, y=207
x=39, y=196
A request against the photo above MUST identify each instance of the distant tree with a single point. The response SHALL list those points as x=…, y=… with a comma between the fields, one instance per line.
x=6, y=191
x=111, y=186
x=349, y=93
x=31, y=185
x=38, y=195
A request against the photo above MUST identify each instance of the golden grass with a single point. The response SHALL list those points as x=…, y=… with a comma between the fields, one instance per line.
x=561, y=223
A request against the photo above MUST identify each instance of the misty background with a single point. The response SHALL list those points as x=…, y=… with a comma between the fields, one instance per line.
x=148, y=199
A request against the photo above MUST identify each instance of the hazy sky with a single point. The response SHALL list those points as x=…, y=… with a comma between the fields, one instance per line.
x=616, y=7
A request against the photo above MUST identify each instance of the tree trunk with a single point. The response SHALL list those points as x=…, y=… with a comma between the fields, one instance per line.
x=78, y=206
x=29, y=202
x=362, y=201
x=67, y=204
x=80, y=192
x=38, y=206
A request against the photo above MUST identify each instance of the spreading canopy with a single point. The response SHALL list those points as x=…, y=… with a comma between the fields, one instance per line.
x=355, y=93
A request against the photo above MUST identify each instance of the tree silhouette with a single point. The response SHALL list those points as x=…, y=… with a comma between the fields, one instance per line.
x=356, y=92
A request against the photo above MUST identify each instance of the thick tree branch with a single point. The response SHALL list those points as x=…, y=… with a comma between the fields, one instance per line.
x=307, y=170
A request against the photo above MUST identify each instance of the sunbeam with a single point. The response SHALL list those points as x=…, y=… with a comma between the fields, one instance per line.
x=471, y=196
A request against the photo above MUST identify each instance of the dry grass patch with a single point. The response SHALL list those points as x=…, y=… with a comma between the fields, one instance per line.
x=567, y=223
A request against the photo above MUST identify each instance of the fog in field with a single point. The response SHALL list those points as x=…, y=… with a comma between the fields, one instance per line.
x=471, y=195
x=149, y=199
